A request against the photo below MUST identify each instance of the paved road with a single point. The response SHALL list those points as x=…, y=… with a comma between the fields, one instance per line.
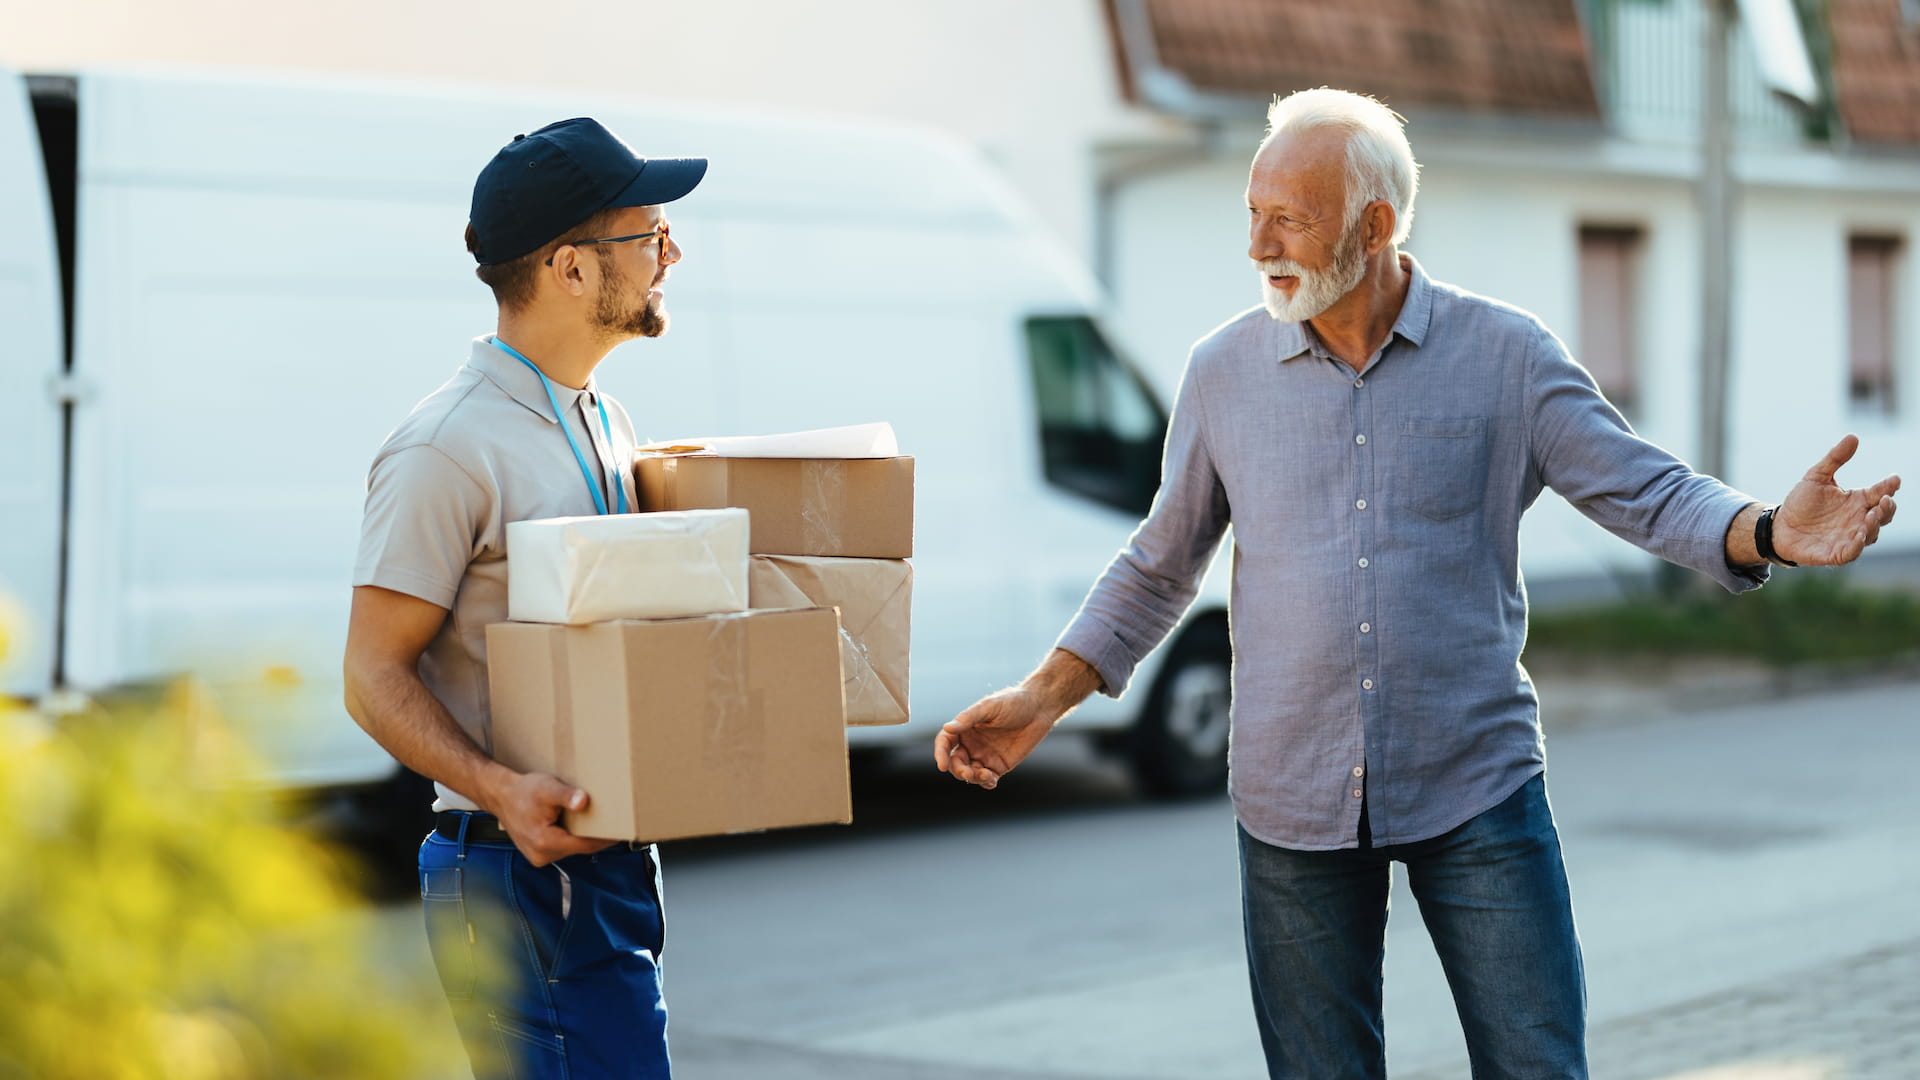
x=1747, y=883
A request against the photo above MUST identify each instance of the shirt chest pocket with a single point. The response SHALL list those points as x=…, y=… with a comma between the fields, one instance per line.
x=1443, y=462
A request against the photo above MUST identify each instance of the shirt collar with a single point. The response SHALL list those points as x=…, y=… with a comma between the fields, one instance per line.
x=504, y=370
x=1416, y=314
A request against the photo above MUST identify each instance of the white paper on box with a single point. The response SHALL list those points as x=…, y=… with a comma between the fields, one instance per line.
x=627, y=566
x=858, y=441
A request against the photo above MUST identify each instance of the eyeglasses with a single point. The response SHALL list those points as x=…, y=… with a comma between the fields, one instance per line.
x=664, y=232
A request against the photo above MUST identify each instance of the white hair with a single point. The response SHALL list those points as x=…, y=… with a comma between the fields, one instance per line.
x=1380, y=161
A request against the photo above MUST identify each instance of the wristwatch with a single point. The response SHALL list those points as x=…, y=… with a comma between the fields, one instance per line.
x=1763, y=538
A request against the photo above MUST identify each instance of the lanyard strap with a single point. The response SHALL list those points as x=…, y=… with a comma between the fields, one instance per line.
x=593, y=486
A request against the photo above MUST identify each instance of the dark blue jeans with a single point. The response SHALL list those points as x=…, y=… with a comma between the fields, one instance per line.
x=1494, y=896
x=553, y=972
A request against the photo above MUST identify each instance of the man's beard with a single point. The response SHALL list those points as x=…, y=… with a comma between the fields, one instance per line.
x=615, y=315
x=1318, y=289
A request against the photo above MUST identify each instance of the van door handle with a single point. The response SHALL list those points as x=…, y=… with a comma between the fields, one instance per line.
x=67, y=388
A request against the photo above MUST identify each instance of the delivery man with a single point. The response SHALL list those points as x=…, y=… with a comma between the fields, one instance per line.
x=547, y=943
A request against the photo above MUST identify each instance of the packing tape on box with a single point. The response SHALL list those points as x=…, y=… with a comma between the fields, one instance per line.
x=562, y=706
x=823, y=499
x=860, y=681
x=669, y=481
x=854, y=658
x=736, y=597
x=735, y=738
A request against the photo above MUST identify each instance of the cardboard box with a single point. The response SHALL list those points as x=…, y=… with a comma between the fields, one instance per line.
x=875, y=598
x=844, y=507
x=626, y=566
x=678, y=727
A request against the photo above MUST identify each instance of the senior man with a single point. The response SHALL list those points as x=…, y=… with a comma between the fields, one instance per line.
x=547, y=943
x=1374, y=436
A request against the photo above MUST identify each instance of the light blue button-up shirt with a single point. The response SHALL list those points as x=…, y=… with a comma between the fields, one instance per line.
x=1378, y=612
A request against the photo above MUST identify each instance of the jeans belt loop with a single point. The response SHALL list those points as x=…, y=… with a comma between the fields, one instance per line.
x=461, y=841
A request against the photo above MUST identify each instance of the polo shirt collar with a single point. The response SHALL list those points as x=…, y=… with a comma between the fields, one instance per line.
x=519, y=382
x=1416, y=315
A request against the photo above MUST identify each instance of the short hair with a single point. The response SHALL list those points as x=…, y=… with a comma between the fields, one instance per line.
x=512, y=281
x=1380, y=161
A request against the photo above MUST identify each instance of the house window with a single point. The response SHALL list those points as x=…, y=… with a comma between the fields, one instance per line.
x=1610, y=309
x=1872, y=269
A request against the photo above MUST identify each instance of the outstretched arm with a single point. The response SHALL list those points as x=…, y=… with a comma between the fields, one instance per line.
x=1820, y=523
x=1130, y=610
x=982, y=744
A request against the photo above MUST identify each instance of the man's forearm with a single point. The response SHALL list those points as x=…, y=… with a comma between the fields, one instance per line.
x=1741, y=552
x=404, y=717
x=1062, y=682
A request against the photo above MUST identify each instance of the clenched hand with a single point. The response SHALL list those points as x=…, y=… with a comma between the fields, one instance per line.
x=529, y=807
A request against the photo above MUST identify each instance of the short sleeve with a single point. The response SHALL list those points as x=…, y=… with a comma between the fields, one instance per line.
x=424, y=518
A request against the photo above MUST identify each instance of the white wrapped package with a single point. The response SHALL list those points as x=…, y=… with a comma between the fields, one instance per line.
x=627, y=566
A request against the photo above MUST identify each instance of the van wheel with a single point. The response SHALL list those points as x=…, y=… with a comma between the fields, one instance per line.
x=1179, y=744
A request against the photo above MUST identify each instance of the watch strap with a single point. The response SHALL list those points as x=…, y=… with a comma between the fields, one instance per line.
x=1763, y=538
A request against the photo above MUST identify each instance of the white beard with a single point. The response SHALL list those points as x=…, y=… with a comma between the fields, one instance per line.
x=1318, y=289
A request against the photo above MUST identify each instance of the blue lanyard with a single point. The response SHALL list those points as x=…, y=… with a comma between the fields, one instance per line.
x=593, y=486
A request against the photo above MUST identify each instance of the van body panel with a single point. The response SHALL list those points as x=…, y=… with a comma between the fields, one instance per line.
x=30, y=416
x=258, y=312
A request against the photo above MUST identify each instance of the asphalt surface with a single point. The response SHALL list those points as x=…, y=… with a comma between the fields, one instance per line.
x=1744, y=879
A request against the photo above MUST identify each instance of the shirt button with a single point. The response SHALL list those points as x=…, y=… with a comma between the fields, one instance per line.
x=1366, y=628
x=1358, y=792
x=1360, y=504
x=1359, y=770
x=1361, y=439
x=1366, y=684
x=1358, y=383
x=1363, y=562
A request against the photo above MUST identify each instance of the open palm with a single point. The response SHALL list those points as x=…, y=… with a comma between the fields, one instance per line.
x=1824, y=524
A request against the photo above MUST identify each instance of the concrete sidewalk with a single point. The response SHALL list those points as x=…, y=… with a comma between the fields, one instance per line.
x=1851, y=1019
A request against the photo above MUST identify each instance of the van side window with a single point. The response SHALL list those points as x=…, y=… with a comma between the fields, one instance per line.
x=1101, y=428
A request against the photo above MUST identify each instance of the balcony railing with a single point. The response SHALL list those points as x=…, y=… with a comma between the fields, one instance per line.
x=1650, y=55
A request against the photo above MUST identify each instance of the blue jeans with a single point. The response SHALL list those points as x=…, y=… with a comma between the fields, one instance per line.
x=553, y=972
x=1494, y=896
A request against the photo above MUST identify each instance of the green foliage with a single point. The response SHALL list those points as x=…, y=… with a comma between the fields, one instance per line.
x=1807, y=617
x=153, y=925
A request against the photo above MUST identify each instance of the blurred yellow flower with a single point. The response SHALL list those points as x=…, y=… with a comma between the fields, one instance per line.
x=154, y=925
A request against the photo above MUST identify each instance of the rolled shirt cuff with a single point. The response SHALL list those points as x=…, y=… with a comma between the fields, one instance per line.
x=1722, y=509
x=1090, y=639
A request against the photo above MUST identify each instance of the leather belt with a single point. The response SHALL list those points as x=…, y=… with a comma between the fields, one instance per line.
x=485, y=829
x=481, y=828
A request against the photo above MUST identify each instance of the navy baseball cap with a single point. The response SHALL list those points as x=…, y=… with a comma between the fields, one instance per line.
x=540, y=185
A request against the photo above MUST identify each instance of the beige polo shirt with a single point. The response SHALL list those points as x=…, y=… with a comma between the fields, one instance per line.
x=483, y=450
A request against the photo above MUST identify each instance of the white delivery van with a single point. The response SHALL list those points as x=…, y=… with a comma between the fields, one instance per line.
x=222, y=292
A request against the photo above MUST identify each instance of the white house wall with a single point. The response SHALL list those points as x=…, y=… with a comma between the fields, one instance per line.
x=1181, y=268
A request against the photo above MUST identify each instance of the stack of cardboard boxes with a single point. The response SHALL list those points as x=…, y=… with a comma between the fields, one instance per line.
x=686, y=665
x=833, y=532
